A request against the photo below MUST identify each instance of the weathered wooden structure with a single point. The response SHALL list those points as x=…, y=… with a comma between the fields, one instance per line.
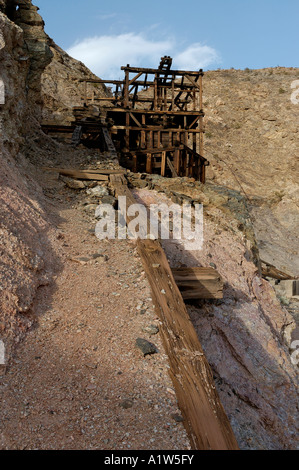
x=154, y=116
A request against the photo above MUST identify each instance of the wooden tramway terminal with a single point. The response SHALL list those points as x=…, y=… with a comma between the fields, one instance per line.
x=154, y=117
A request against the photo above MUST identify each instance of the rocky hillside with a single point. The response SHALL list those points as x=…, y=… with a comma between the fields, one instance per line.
x=252, y=142
x=250, y=201
x=26, y=54
x=62, y=93
x=24, y=246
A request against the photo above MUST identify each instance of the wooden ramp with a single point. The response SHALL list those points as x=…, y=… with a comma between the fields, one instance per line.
x=204, y=417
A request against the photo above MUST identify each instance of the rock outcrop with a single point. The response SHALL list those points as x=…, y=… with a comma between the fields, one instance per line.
x=24, y=247
x=252, y=142
x=61, y=94
x=247, y=335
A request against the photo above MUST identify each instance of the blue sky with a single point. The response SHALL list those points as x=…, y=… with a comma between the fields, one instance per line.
x=200, y=34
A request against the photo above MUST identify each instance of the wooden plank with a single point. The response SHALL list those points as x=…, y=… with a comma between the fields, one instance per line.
x=149, y=163
x=268, y=270
x=172, y=169
x=161, y=72
x=204, y=417
x=163, y=164
x=155, y=150
x=87, y=171
x=109, y=143
x=81, y=175
x=176, y=160
x=199, y=283
x=135, y=120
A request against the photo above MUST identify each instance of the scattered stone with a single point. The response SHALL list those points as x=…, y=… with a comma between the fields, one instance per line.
x=90, y=208
x=108, y=200
x=73, y=184
x=178, y=418
x=151, y=330
x=146, y=347
x=143, y=311
x=127, y=404
x=213, y=265
x=99, y=191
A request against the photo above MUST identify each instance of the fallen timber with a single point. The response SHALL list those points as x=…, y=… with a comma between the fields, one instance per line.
x=204, y=417
x=268, y=270
x=94, y=175
x=198, y=283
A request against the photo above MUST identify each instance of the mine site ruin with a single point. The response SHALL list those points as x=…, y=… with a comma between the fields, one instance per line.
x=139, y=342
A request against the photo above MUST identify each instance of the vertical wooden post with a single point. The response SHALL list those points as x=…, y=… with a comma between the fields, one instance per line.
x=201, y=134
x=200, y=93
x=143, y=134
x=172, y=94
x=126, y=90
x=159, y=139
x=176, y=160
x=202, y=173
x=156, y=93
x=149, y=164
x=135, y=163
x=163, y=164
x=151, y=139
x=127, y=138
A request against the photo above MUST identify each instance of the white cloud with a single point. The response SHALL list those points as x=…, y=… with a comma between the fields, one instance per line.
x=104, y=55
x=196, y=57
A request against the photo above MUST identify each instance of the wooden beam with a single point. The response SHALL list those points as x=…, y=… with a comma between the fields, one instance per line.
x=204, y=417
x=172, y=169
x=149, y=163
x=163, y=164
x=97, y=172
x=135, y=120
x=199, y=283
x=161, y=72
x=135, y=78
x=268, y=270
x=77, y=174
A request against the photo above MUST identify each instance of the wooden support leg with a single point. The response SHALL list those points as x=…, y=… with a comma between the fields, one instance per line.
x=149, y=163
x=202, y=173
x=176, y=160
x=135, y=164
x=163, y=164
